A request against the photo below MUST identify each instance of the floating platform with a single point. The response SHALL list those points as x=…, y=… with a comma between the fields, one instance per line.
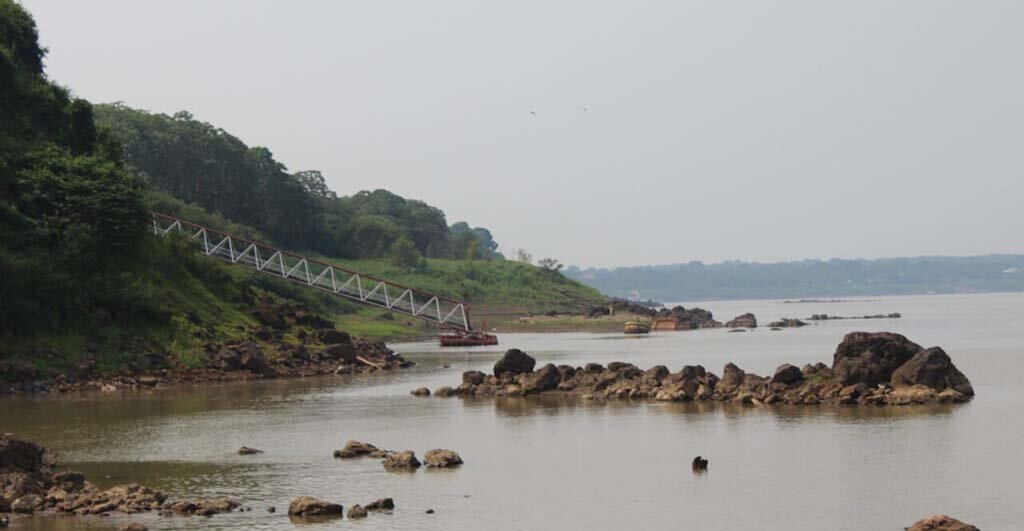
x=467, y=339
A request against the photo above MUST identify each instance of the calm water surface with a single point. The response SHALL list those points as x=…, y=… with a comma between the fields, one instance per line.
x=564, y=464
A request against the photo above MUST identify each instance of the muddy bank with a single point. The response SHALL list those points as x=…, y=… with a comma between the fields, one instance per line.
x=867, y=368
x=290, y=342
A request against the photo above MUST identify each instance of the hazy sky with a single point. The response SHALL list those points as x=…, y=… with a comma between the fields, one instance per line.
x=664, y=131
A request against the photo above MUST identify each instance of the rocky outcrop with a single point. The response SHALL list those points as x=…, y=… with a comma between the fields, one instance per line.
x=355, y=449
x=514, y=361
x=440, y=458
x=689, y=319
x=871, y=357
x=940, y=522
x=383, y=504
x=787, y=322
x=863, y=366
x=356, y=512
x=309, y=506
x=932, y=368
x=746, y=320
x=30, y=482
x=401, y=461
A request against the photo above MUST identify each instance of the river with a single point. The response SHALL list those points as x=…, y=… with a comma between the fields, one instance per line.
x=540, y=463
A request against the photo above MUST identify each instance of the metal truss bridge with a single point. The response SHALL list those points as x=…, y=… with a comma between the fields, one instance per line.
x=339, y=281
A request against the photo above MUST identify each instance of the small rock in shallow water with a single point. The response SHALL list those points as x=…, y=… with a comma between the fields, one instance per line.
x=430, y=511
x=439, y=458
x=700, y=464
x=271, y=509
x=245, y=450
x=356, y=511
x=383, y=504
x=309, y=506
x=422, y=391
x=401, y=460
x=941, y=522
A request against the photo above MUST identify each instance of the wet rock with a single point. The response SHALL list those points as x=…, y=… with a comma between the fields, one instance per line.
x=444, y=391
x=593, y=368
x=383, y=504
x=871, y=358
x=356, y=512
x=545, y=379
x=271, y=509
x=217, y=506
x=787, y=374
x=514, y=361
x=473, y=377
x=420, y=391
x=699, y=464
x=932, y=368
x=401, y=461
x=27, y=504
x=941, y=522
x=732, y=376
x=355, y=449
x=245, y=450
x=309, y=506
x=746, y=320
x=440, y=458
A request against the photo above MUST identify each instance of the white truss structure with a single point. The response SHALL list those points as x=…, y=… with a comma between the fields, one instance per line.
x=342, y=282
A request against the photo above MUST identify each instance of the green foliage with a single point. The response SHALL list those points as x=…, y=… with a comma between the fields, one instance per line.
x=206, y=166
x=404, y=254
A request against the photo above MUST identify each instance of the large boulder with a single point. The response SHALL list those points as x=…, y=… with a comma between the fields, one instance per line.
x=251, y=357
x=932, y=368
x=440, y=458
x=871, y=357
x=746, y=320
x=787, y=374
x=732, y=376
x=514, y=361
x=940, y=522
x=309, y=506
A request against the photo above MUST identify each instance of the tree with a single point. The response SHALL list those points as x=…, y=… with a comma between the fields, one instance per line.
x=404, y=254
x=473, y=252
x=313, y=182
x=550, y=264
x=523, y=256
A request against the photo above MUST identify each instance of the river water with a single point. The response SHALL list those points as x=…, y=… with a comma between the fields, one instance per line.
x=564, y=464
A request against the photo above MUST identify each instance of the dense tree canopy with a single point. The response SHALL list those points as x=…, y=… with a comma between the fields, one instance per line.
x=202, y=164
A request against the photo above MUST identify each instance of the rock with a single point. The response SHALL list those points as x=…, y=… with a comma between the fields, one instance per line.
x=444, y=391
x=786, y=323
x=514, y=361
x=270, y=315
x=699, y=464
x=545, y=379
x=355, y=449
x=218, y=506
x=430, y=511
x=941, y=522
x=656, y=374
x=732, y=376
x=401, y=461
x=341, y=351
x=871, y=358
x=309, y=506
x=245, y=450
x=251, y=358
x=914, y=394
x=421, y=391
x=473, y=377
x=439, y=458
x=932, y=368
x=271, y=509
x=27, y=504
x=787, y=374
x=746, y=320
x=356, y=511
x=383, y=504
x=332, y=337
x=593, y=368
x=134, y=526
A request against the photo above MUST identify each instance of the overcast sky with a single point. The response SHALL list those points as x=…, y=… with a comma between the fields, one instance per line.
x=607, y=133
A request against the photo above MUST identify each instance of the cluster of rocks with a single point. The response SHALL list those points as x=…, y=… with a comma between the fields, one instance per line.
x=392, y=460
x=616, y=305
x=322, y=350
x=787, y=322
x=31, y=482
x=867, y=368
x=746, y=320
x=307, y=507
x=827, y=317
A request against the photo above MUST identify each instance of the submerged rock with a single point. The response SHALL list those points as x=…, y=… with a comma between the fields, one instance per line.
x=421, y=391
x=355, y=449
x=356, y=511
x=440, y=458
x=309, y=506
x=383, y=504
x=245, y=450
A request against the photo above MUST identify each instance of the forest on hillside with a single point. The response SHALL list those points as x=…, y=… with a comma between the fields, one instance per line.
x=809, y=278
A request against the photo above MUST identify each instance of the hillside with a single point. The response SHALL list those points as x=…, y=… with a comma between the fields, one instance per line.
x=810, y=278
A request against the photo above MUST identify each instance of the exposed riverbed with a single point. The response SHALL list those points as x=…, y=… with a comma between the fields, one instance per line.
x=545, y=463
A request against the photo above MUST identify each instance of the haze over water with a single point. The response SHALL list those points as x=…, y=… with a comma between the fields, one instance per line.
x=541, y=463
